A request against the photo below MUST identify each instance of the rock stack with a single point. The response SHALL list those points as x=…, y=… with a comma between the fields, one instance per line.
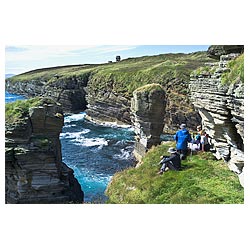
x=148, y=113
x=221, y=107
x=34, y=171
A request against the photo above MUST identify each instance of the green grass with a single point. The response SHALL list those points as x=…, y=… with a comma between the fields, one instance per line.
x=203, y=180
x=236, y=72
x=204, y=70
x=124, y=76
x=149, y=87
x=16, y=111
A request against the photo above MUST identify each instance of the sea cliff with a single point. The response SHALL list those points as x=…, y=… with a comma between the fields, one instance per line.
x=105, y=91
x=217, y=92
x=34, y=171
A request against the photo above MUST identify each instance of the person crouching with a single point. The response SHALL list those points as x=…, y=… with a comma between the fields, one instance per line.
x=172, y=162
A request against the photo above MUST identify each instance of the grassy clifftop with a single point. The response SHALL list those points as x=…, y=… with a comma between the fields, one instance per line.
x=124, y=76
x=203, y=180
x=16, y=111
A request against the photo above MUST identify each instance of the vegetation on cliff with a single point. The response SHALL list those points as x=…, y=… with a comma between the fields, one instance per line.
x=16, y=111
x=148, y=88
x=114, y=83
x=236, y=72
x=203, y=180
x=124, y=76
x=130, y=74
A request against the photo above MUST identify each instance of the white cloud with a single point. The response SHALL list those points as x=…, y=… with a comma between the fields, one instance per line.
x=23, y=58
x=30, y=53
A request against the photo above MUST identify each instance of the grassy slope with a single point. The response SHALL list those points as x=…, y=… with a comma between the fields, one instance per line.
x=202, y=181
x=16, y=111
x=127, y=75
x=236, y=72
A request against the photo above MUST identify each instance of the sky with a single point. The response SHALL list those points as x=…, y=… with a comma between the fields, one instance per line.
x=20, y=59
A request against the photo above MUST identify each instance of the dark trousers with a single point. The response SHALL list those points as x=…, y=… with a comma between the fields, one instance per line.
x=183, y=153
x=170, y=165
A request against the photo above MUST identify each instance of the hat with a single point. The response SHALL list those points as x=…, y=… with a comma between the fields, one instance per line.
x=198, y=127
x=171, y=150
x=183, y=125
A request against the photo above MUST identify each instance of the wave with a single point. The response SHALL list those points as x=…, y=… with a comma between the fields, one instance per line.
x=124, y=155
x=74, y=117
x=110, y=124
x=123, y=142
x=91, y=142
x=74, y=135
x=69, y=125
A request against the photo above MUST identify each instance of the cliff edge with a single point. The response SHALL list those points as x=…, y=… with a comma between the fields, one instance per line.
x=217, y=92
x=34, y=171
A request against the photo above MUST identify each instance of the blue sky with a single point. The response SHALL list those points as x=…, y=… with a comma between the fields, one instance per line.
x=19, y=59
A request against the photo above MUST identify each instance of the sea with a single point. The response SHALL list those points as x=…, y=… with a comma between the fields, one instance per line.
x=95, y=152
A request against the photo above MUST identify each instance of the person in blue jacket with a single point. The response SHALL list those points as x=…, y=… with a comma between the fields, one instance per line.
x=182, y=137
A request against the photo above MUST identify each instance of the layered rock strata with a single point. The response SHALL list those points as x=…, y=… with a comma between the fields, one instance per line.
x=69, y=92
x=221, y=107
x=34, y=171
x=148, y=113
x=107, y=106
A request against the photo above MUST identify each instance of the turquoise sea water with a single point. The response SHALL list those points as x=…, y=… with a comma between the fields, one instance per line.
x=94, y=152
x=11, y=97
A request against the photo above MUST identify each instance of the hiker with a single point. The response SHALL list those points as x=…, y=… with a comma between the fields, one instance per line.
x=182, y=137
x=194, y=145
x=172, y=162
x=205, y=145
x=198, y=135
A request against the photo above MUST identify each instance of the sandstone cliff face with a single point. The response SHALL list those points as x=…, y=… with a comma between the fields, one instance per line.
x=34, y=171
x=106, y=105
x=69, y=92
x=221, y=107
x=106, y=90
x=148, y=110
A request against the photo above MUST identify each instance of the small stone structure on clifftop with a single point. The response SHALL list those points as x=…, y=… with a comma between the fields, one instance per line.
x=34, y=171
x=148, y=110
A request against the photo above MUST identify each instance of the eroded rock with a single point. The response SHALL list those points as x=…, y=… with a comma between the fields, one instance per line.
x=34, y=171
x=221, y=107
x=148, y=109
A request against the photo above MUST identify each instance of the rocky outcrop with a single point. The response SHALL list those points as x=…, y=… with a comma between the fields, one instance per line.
x=148, y=110
x=215, y=51
x=221, y=107
x=34, y=171
x=179, y=109
x=69, y=92
x=107, y=106
x=105, y=91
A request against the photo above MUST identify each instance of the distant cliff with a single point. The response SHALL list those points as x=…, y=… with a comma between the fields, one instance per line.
x=217, y=92
x=105, y=91
x=34, y=171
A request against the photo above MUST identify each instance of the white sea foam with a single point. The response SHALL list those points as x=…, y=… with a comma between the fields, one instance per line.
x=74, y=135
x=123, y=155
x=74, y=117
x=69, y=125
x=108, y=124
x=90, y=142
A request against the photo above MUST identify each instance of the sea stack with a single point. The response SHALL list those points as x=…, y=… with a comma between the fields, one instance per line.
x=34, y=171
x=148, y=113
